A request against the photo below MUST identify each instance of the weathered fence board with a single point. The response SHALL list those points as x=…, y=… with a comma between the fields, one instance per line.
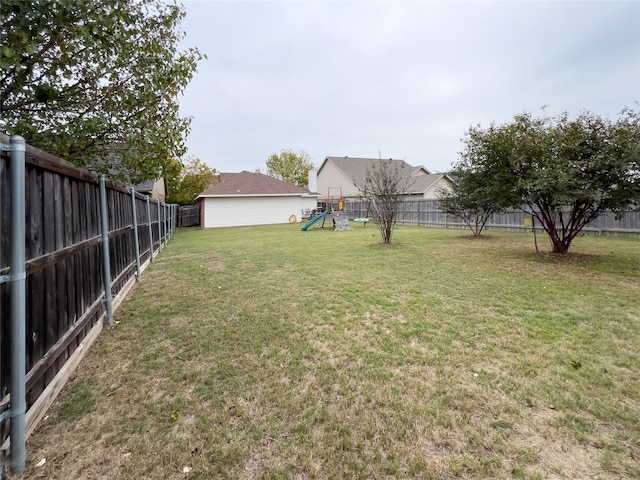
x=64, y=265
x=189, y=215
x=428, y=213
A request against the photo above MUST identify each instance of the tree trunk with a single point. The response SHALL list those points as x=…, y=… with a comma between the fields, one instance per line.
x=561, y=245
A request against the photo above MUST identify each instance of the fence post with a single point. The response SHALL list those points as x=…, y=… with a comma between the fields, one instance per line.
x=106, y=268
x=174, y=218
x=168, y=216
x=171, y=219
x=18, y=280
x=150, y=232
x=164, y=224
x=136, y=241
x=167, y=225
x=159, y=225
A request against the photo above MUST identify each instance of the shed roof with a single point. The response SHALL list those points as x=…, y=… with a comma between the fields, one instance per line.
x=247, y=183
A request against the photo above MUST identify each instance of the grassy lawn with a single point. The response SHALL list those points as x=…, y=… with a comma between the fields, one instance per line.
x=267, y=352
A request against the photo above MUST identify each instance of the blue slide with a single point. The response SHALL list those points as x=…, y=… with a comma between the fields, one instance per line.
x=314, y=220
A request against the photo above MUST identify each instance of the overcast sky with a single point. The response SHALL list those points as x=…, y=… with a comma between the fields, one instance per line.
x=396, y=79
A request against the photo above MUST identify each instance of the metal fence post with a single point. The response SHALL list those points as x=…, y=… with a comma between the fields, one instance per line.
x=136, y=241
x=164, y=224
x=167, y=225
x=163, y=215
x=174, y=218
x=168, y=217
x=159, y=225
x=106, y=268
x=18, y=280
x=150, y=232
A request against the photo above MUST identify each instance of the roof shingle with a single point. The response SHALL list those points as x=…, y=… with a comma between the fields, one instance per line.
x=356, y=169
x=247, y=183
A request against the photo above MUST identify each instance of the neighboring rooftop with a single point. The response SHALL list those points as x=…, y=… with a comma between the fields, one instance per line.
x=247, y=183
x=356, y=168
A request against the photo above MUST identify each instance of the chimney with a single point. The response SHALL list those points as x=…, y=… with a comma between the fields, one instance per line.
x=313, y=180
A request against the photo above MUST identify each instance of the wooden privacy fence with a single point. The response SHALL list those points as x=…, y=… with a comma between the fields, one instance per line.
x=73, y=221
x=428, y=213
x=188, y=215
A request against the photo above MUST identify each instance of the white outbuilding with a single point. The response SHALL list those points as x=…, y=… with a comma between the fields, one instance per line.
x=247, y=198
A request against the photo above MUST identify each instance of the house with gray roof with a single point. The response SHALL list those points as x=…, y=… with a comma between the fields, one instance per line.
x=345, y=177
x=155, y=189
x=247, y=198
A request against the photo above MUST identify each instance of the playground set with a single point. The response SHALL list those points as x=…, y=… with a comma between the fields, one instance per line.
x=332, y=209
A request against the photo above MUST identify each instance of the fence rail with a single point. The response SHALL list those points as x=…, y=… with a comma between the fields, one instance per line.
x=65, y=248
x=428, y=213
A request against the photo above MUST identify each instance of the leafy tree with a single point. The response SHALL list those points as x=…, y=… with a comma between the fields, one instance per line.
x=384, y=187
x=563, y=171
x=194, y=178
x=172, y=173
x=472, y=198
x=290, y=167
x=96, y=82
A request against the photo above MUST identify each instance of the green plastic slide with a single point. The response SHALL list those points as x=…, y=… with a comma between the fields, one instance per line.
x=314, y=220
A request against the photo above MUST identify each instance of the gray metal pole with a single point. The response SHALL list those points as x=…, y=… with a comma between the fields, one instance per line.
x=106, y=269
x=166, y=224
x=18, y=281
x=150, y=232
x=135, y=234
x=167, y=229
x=159, y=226
x=170, y=209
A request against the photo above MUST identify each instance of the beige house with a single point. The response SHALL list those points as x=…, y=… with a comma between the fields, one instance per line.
x=155, y=189
x=345, y=177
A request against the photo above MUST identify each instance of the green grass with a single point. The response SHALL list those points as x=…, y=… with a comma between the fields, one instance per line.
x=267, y=352
x=80, y=401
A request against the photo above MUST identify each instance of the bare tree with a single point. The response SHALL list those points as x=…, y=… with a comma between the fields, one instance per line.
x=385, y=185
